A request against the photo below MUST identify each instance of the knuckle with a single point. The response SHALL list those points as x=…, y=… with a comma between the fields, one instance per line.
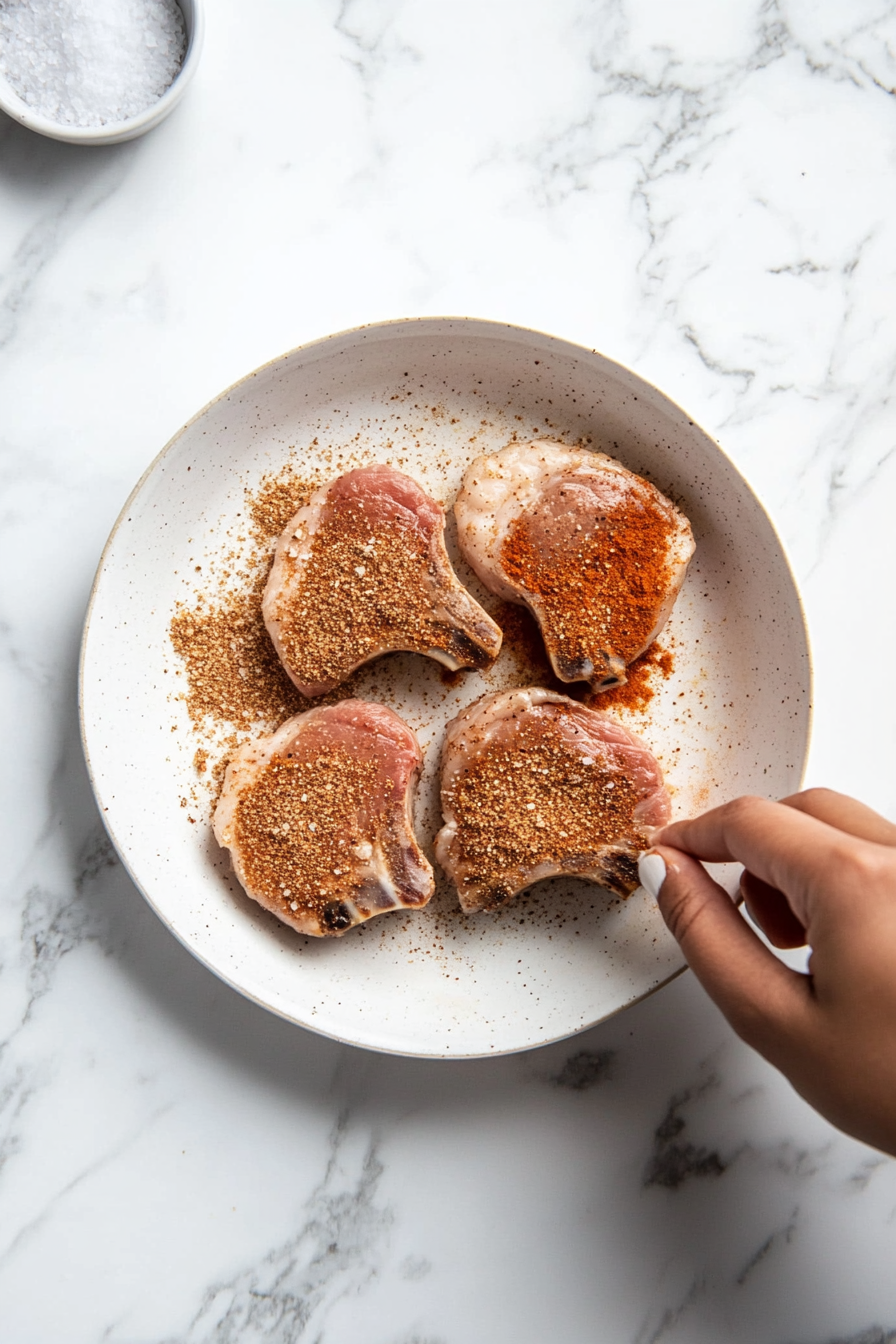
x=744, y=806
x=742, y=810
x=817, y=796
x=868, y=866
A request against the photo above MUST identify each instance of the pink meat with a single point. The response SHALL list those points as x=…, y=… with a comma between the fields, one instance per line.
x=565, y=505
x=361, y=571
x=392, y=494
x=317, y=818
x=535, y=784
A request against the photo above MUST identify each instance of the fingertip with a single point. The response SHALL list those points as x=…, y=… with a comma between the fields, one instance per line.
x=684, y=888
x=652, y=872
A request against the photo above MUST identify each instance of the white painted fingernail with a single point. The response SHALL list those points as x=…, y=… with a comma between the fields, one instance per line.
x=652, y=872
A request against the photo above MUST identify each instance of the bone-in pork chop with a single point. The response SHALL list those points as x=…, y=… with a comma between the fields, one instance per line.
x=317, y=818
x=597, y=553
x=535, y=784
x=362, y=570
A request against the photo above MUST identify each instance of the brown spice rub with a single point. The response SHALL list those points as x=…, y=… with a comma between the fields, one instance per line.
x=295, y=827
x=640, y=688
x=233, y=673
x=557, y=803
x=522, y=639
x=599, y=590
x=277, y=499
x=233, y=680
x=336, y=621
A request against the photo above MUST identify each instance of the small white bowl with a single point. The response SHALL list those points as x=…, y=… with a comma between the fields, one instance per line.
x=113, y=132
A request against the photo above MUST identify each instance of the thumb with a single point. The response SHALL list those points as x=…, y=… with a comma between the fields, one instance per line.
x=760, y=996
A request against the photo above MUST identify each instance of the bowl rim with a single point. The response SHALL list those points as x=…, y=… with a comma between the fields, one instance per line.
x=115, y=132
x=496, y=326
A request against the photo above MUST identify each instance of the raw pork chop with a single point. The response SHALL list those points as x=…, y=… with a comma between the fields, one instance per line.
x=317, y=818
x=535, y=784
x=597, y=553
x=362, y=570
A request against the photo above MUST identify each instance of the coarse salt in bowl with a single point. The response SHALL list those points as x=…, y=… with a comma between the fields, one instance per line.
x=43, y=75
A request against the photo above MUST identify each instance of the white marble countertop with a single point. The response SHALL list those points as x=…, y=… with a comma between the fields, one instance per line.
x=705, y=192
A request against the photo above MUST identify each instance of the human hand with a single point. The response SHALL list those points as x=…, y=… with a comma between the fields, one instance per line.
x=820, y=869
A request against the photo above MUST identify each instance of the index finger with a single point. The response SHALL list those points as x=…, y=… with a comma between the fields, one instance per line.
x=844, y=814
x=785, y=847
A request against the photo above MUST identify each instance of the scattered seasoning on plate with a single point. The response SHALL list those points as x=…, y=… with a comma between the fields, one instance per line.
x=523, y=641
x=235, y=685
x=234, y=679
x=640, y=688
x=90, y=62
x=233, y=672
x=277, y=499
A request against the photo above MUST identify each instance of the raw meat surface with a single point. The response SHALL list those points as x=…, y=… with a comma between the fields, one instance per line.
x=317, y=818
x=596, y=552
x=535, y=784
x=362, y=570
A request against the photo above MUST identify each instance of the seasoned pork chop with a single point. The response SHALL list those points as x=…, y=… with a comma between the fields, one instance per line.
x=317, y=818
x=597, y=553
x=535, y=784
x=362, y=570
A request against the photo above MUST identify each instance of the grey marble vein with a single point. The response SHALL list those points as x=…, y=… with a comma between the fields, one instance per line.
x=21, y=659
x=414, y=1338
x=771, y=1243
x=585, y=1069
x=54, y=922
x=668, y=120
x=875, y=1334
x=675, y=1159
x=16, y=1088
x=333, y=1255
x=371, y=34
x=672, y=1316
x=865, y=1170
x=50, y=1209
x=48, y=235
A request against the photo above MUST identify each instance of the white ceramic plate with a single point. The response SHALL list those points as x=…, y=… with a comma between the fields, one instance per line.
x=429, y=394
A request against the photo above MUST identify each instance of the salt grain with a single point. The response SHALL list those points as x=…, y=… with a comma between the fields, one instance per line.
x=90, y=62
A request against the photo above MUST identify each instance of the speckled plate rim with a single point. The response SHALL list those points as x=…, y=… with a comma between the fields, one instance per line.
x=320, y=343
